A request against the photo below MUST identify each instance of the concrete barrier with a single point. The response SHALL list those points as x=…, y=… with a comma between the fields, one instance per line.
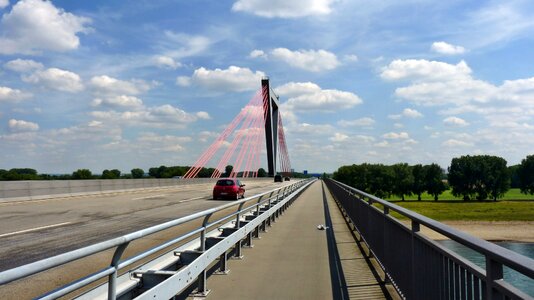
x=43, y=189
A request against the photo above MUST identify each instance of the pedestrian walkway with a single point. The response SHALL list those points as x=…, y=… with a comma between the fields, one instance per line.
x=296, y=260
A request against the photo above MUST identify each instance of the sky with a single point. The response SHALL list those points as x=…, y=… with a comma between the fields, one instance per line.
x=122, y=84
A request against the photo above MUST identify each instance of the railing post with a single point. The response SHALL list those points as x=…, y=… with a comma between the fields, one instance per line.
x=112, y=278
x=238, y=254
x=416, y=227
x=494, y=271
x=202, y=278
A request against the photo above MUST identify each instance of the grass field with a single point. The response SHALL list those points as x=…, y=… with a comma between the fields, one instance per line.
x=472, y=211
x=512, y=194
x=514, y=206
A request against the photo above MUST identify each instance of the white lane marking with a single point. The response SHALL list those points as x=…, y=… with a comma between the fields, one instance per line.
x=33, y=229
x=150, y=197
x=187, y=200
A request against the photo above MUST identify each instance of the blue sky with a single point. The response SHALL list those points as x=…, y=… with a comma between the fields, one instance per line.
x=117, y=84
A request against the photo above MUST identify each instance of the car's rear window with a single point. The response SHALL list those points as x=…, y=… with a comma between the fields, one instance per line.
x=225, y=182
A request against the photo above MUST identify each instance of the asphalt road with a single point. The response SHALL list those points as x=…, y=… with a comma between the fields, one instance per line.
x=33, y=230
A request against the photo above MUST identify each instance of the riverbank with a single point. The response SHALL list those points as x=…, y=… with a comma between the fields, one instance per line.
x=518, y=231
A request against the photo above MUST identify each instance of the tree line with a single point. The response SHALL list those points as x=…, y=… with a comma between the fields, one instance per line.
x=154, y=172
x=470, y=177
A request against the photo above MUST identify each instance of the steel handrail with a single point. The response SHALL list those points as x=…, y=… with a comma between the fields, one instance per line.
x=507, y=257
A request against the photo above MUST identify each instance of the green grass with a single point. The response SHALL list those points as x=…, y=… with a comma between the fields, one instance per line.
x=512, y=194
x=472, y=210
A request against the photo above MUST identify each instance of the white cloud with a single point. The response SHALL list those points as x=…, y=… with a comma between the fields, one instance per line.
x=108, y=85
x=23, y=65
x=339, y=137
x=438, y=83
x=13, y=95
x=498, y=22
x=283, y=8
x=166, y=62
x=183, y=81
x=382, y=144
x=447, y=49
x=455, y=121
x=418, y=69
x=456, y=143
x=56, y=79
x=411, y=113
x=203, y=115
x=363, y=122
x=184, y=45
x=396, y=136
x=257, y=53
x=310, y=129
x=294, y=89
x=4, y=3
x=34, y=25
x=350, y=58
x=234, y=79
x=309, y=60
x=122, y=102
x=164, y=116
x=21, y=126
x=307, y=96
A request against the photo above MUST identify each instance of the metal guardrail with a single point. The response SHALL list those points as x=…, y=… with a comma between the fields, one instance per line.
x=420, y=268
x=171, y=272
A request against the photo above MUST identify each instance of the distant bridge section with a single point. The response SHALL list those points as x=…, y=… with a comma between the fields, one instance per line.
x=43, y=189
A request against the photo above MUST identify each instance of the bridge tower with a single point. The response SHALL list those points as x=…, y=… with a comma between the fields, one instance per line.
x=271, y=104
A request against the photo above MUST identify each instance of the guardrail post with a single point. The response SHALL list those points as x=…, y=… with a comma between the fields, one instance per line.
x=238, y=254
x=202, y=289
x=112, y=278
x=494, y=271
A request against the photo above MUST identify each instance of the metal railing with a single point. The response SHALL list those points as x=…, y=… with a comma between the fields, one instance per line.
x=420, y=268
x=173, y=271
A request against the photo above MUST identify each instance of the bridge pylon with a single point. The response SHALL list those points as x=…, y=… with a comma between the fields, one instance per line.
x=270, y=101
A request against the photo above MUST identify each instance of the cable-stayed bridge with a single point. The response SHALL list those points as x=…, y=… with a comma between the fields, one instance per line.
x=168, y=239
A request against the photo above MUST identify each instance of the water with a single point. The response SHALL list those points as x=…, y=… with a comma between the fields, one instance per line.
x=518, y=280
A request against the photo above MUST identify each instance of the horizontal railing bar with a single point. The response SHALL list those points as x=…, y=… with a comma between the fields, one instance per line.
x=507, y=257
x=48, y=263
x=149, y=252
x=78, y=284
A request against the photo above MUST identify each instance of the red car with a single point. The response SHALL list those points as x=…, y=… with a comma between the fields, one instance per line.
x=229, y=188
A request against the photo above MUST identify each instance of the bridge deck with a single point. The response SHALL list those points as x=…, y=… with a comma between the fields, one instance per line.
x=295, y=260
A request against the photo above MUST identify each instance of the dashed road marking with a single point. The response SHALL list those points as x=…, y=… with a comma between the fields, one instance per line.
x=33, y=229
x=149, y=197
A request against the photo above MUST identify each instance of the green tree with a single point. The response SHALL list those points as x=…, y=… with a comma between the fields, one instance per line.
x=496, y=176
x=111, y=174
x=157, y=172
x=526, y=175
x=228, y=170
x=418, y=187
x=82, y=174
x=137, y=173
x=379, y=179
x=262, y=172
x=402, y=180
x=480, y=176
x=461, y=177
x=206, y=172
x=433, y=182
